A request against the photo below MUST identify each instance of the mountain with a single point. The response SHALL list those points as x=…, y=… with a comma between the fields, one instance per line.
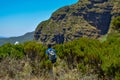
x=86, y=18
x=26, y=37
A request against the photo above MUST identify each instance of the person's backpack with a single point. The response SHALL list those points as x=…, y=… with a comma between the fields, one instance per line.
x=52, y=55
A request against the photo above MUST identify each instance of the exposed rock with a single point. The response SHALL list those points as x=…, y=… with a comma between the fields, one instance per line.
x=86, y=18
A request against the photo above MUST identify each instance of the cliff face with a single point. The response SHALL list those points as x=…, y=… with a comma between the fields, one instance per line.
x=86, y=18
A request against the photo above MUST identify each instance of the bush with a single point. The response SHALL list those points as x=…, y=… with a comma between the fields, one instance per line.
x=116, y=23
x=15, y=51
x=85, y=55
x=34, y=50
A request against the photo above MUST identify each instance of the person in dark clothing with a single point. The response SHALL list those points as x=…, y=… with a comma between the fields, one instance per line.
x=51, y=54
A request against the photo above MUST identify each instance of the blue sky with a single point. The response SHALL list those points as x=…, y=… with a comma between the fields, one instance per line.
x=20, y=16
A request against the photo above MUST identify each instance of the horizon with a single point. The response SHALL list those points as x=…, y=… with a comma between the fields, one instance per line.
x=20, y=17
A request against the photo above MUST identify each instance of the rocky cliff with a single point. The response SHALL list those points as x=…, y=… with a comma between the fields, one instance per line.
x=86, y=18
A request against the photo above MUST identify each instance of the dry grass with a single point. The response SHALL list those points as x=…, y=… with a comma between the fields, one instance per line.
x=12, y=69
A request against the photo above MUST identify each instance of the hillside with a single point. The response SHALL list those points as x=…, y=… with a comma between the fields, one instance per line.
x=26, y=37
x=82, y=56
x=86, y=18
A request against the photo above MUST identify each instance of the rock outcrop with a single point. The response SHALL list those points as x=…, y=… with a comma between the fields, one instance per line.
x=86, y=18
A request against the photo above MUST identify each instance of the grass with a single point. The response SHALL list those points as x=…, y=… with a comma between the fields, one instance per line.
x=103, y=38
x=12, y=69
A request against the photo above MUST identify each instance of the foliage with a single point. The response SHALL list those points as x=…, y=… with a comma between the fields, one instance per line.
x=15, y=51
x=89, y=52
x=85, y=55
x=116, y=23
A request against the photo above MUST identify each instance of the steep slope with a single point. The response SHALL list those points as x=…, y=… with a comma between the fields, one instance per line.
x=26, y=37
x=86, y=18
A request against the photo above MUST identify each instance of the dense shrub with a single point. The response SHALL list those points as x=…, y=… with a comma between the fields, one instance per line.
x=15, y=51
x=85, y=55
x=34, y=50
x=116, y=23
x=102, y=57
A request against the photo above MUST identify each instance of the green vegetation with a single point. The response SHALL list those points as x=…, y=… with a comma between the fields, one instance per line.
x=13, y=51
x=87, y=56
x=78, y=59
x=116, y=23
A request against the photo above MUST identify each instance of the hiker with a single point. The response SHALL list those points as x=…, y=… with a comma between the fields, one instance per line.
x=52, y=57
x=51, y=54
